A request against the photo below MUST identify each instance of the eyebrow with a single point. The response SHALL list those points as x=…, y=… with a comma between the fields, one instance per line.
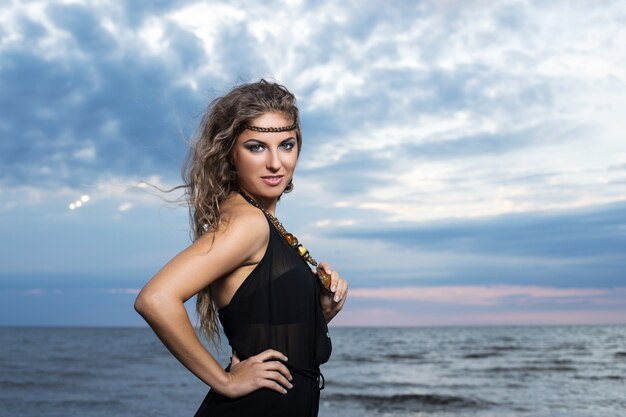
x=264, y=143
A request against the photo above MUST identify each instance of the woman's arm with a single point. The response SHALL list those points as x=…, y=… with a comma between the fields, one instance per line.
x=168, y=318
x=161, y=300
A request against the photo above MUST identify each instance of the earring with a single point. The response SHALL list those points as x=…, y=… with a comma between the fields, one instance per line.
x=289, y=187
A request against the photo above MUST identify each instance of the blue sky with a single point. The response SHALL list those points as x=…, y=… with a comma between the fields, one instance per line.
x=463, y=162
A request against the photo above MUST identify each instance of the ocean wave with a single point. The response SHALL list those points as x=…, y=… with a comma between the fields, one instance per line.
x=600, y=377
x=569, y=346
x=481, y=355
x=509, y=369
x=65, y=359
x=360, y=384
x=415, y=355
x=77, y=374
x=381, y=358
x=28, y=385
x=552, y=362
x=357, y=358
x=506, y=348
x=408, y=402
x=87, y=404
x=505, y=339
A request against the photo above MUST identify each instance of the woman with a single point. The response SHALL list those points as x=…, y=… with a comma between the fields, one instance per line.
x=247, y=272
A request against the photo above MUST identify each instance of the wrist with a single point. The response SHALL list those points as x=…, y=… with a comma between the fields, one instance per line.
x=223, y=382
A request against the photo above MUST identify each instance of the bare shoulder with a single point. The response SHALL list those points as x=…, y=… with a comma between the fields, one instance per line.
x=241, y=225
x=241, y=236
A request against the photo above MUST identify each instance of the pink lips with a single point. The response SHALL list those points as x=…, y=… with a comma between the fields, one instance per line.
x=272, y=180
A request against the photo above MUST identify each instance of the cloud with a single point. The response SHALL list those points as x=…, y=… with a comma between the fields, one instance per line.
x=35, y=291
x=430, y=306
x=444, y=142
x=92, y=106
x=369, y=317
x=480, y=295
x=482, y=305
x=462, y=91
x=130, y=291
x=125, y=206
x=594, y=231
x=31, y=292
x=563, y=248
x=125, y=192
x=86, y=153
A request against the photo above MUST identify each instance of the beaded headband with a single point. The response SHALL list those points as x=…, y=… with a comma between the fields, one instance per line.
x=271, y=129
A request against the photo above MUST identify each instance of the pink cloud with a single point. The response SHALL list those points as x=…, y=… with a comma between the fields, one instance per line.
x=480, y=295
x=35, y=291
x=373, y=317
x=389, y=317
x=122, y=290
x=483, y=305
x=562, y=317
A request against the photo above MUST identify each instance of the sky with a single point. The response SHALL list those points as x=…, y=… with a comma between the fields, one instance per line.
x=464, y=162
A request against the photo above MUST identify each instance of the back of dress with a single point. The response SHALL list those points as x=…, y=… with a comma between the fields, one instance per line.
x=276, y=307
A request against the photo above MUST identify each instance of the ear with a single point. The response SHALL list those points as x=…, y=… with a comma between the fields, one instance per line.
x=232, y=162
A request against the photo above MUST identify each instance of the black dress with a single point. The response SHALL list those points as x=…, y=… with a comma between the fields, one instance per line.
x=276, y=307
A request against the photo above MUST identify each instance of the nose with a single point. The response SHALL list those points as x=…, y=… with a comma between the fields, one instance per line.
x=273, y=161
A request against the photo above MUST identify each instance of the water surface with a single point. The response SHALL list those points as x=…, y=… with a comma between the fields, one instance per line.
x=573, y=371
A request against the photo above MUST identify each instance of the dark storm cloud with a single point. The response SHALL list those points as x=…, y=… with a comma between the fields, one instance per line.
x=123, y=103
x=582, y=248
x=354, y=174
x=126, y=103
x=591, y=232
x=84, y=26
x=491, y=143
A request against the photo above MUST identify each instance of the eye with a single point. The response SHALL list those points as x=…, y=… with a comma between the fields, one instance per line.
x=288, y=145
x=255, y=147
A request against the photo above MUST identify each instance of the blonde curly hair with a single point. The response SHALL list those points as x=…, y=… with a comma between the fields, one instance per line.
x=209, y=174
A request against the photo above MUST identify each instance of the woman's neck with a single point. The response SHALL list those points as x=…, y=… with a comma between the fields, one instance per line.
x=268, y=204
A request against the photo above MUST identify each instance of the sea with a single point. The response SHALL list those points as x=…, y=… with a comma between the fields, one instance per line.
x=568, y=371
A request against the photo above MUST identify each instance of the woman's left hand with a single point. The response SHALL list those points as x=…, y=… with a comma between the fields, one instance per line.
x=332, y=301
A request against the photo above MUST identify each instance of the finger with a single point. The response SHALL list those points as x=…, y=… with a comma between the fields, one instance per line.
x=326, y=267
x=341, y=289
x=234, y=359
x=278, y=377
x=273, y=385
x=334, y=280
x=277, y=366
x=271, y=354
x=339, y=306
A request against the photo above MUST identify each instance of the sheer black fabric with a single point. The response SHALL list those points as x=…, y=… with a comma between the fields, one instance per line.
x=276, y=307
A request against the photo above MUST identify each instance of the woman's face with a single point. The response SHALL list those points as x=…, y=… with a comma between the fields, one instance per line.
x=265, y=161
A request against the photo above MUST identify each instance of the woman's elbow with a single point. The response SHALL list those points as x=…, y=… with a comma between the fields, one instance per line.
x=141, y=304
x=153, y=304
x=145, y=303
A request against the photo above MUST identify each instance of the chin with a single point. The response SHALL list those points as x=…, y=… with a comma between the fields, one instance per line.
x=275, y=193
x=268, y=193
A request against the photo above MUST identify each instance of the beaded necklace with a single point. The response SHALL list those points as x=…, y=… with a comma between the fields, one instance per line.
x=292, y=241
